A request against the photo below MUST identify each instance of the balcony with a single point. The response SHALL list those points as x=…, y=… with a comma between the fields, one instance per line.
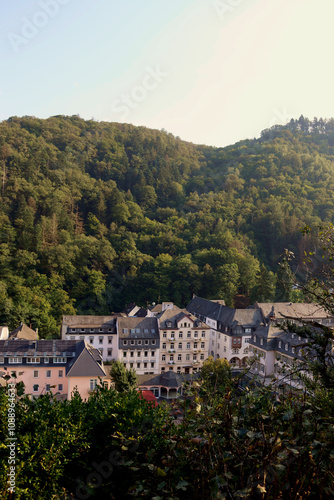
x=171, y=339
x=171, y=363
x=171, y=350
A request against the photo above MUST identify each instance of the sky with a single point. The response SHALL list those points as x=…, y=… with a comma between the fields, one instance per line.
x=209, y=71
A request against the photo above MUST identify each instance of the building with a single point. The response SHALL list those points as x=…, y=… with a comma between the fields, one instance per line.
x=59, y=366
x=139, y=344
x=231, y=329
x=184, y=341
x=98, y=331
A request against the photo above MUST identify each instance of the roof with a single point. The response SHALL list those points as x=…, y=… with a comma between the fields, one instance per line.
x=86, y=363
x=20, y=347
x=207, y=308
x=174, y=316
x=168, y=379
x=285, y=310
x=148, y=396
x=138, y=328
x=81, y=321
x=24, y=332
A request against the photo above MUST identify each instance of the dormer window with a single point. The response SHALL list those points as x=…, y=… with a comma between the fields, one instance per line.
x=280, y=344
x=261, y=341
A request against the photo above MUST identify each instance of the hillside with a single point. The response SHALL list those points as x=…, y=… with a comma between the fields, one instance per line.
x=95, y=215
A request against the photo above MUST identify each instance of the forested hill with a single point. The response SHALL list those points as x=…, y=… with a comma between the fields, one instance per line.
x=96, y=215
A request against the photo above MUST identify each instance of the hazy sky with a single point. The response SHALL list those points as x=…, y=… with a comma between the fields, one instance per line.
x=210, y=71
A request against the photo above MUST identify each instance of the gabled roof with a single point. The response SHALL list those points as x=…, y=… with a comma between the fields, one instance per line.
x=86, y=363
x=207, y=308
x=149, y=397
x=81, y=321
x=175, y=316
x=23, y=332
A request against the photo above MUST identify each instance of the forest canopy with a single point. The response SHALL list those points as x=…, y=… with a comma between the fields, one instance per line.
x=94, y=215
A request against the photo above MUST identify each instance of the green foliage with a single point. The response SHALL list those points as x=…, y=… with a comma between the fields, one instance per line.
x=91, y=208
x=124, y=380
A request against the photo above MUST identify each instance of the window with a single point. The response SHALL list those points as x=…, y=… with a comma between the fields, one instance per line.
x=172, y=335
x=188, y=345
x=35, y=373
x=46, y=360
x=280, y=344
x=179, y=357
x=188, y=335
x=202, y=356
x=60, y=387
x=82, y=337
x=202, y=345
x=125, y=330
x=247, y=340
x=13, y=374
x=132, y=342
x=60, y=373
x=196, y=334
x=92, y=384
x=145, y=365
x=293, y=350
x=146, y=342
x=131, y=354
x=14, y=360
x=164, y=335
x=218, y=346
x=195, y=345
x=164, y=346
x=152, y=365
x=254, y=338
x=138, y=354
x=195, y=357
x=145, y=354
x=261, y=341
x=153, y=342
x=91, y=340
x=131, y=365
x=109, y=352
x=48, y=373
x=163, y=357
x=124, y=354
x=224, y=348
x=47, y=387
x=125, y=342
x=139, y=342
x=35, y=387
x=234, y=341
x=203, y=334
x=180, y=345
x=152, y=354
x=187, y=357
x=33, y=360
x=138, y=365
x=171, y=357
x=180, y=335
x=59, y=360
x=172, y=346
x=286, y=347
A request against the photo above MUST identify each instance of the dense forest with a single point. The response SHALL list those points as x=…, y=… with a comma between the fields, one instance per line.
x=95, y=215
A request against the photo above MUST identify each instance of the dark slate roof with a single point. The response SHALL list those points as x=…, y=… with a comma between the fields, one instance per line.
x=86, y=363
x=41, y=348
x=168, y=379
x=138, y=325
x=24, y=332
x=204, y=307
x=227, y=316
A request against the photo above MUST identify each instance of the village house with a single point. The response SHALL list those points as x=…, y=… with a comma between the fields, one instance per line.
x=59, y=366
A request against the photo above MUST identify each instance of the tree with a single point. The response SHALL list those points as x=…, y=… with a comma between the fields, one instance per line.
x=125, y=380
x=216, y=376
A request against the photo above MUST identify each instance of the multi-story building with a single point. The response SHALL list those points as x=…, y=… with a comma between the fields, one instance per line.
x=231, y=329
x=184, y=341
x=59, y=366
x=139, y=344
x=98, y=331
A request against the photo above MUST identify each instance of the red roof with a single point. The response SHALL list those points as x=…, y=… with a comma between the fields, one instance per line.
x=148, y=396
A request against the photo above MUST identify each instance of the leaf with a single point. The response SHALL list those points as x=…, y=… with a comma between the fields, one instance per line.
x=161, y=472
x=182, y=485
